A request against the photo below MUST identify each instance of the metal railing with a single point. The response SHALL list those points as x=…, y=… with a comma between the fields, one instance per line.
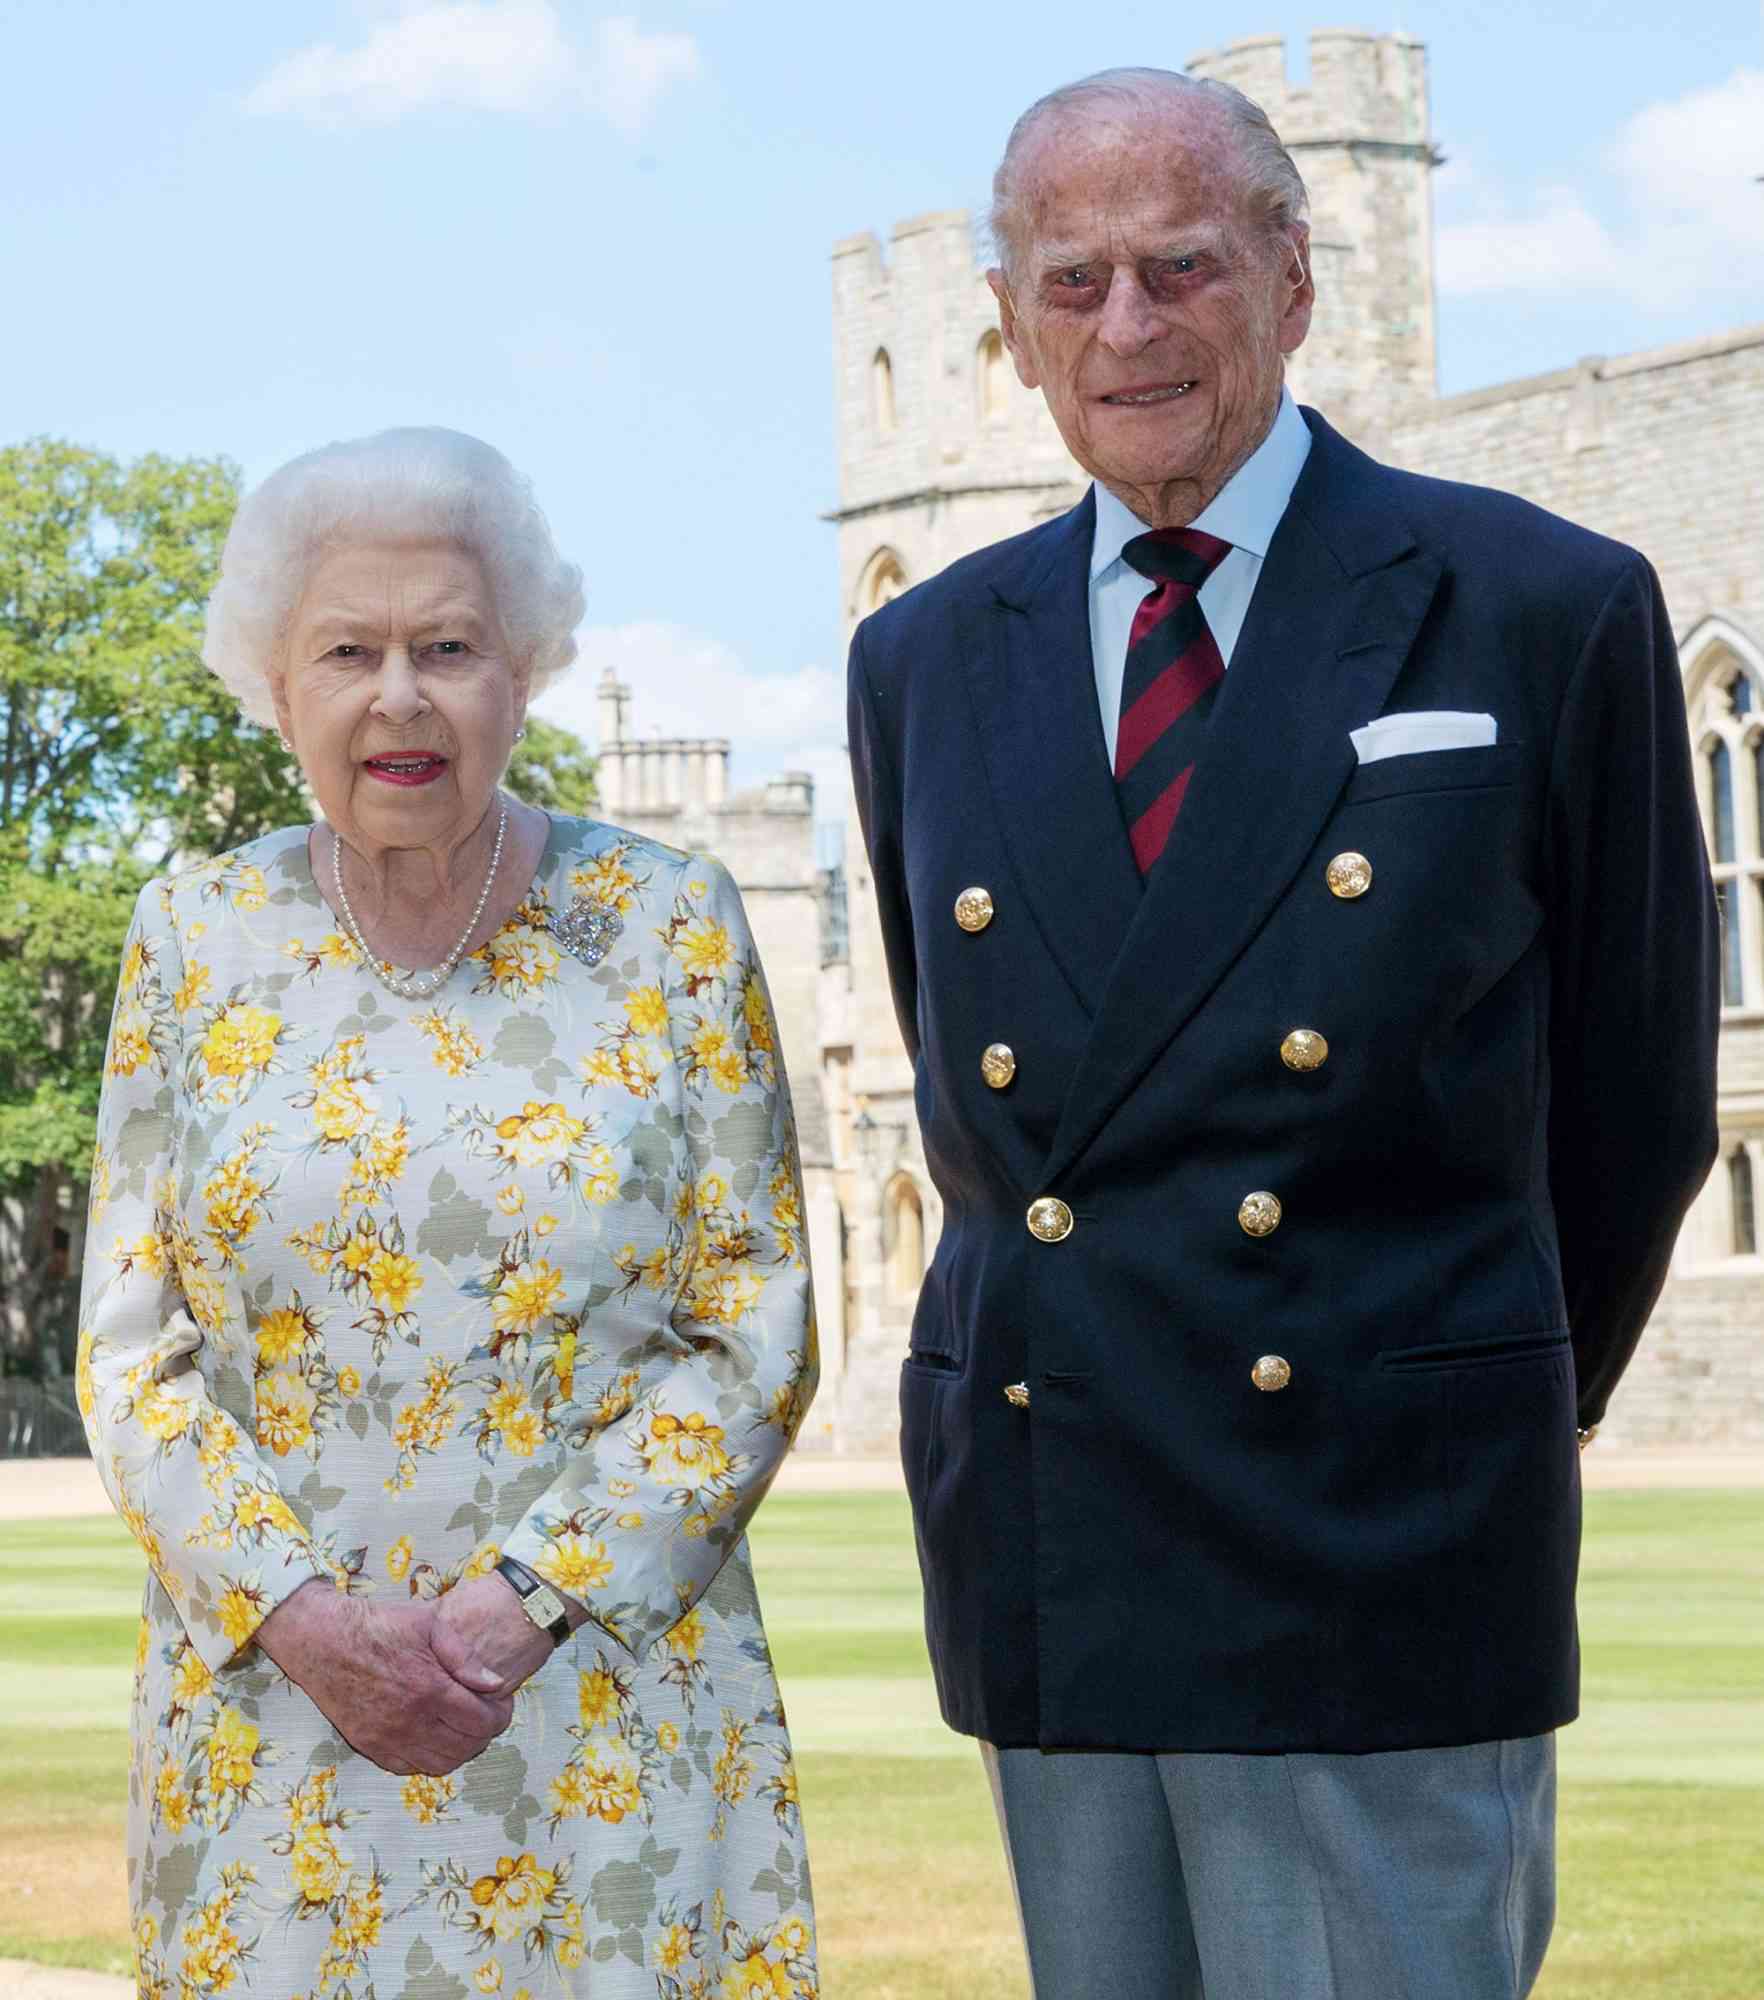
x=40, y=1420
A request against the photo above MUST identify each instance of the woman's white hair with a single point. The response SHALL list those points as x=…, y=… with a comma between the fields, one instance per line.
x=1272, y=184
x=416, y=484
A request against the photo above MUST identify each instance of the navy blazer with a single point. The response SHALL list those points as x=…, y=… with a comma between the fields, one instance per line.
x=1480, y=1186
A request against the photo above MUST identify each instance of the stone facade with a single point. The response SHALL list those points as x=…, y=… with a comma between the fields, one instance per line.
x=942, y=452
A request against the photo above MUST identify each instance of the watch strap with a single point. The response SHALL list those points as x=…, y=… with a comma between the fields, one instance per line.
x=538, y=1599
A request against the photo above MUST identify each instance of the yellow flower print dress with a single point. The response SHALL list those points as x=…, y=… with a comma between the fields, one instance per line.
x=379, y=1288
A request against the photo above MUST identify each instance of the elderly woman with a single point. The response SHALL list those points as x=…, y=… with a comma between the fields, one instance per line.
x=446, y=1317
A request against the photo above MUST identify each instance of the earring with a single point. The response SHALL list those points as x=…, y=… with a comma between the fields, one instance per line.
x=519, y=733
x=282, y=739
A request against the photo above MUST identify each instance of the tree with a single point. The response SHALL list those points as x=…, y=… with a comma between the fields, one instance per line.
x=120, y=756
x=551, y=768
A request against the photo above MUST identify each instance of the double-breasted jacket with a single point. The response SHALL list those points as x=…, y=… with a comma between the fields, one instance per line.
x=1333, y=1169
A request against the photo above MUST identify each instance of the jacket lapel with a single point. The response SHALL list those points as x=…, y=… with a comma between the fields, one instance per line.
x=1033, y=689
x=1341, y=597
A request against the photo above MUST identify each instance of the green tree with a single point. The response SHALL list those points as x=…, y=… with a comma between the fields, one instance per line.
x=120, y=756
x=553, y=769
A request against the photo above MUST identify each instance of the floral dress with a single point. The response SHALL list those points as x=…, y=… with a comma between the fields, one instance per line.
x=379, y=1289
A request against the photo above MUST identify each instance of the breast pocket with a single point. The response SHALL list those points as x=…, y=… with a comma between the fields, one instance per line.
x=1486, y=767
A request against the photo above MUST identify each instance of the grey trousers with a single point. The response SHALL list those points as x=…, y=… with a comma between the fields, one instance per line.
x=1400, y=1875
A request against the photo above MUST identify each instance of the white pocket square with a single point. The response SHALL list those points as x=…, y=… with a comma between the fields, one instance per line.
x=1424, y=729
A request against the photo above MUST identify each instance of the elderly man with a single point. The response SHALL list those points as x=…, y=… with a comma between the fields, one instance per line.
x=1298, y=917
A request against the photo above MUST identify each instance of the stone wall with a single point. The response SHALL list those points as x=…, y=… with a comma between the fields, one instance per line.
x=1663, y=450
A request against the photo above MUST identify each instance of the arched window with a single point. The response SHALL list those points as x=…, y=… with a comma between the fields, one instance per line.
x=882, y=582
x=1724, y=688
x=1745, y=1212
x=993, y=378
x=882, y=391
x=906, y=1248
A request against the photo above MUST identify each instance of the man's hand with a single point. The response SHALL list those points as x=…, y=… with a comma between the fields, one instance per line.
x=485, y=1640
x=372, y=1672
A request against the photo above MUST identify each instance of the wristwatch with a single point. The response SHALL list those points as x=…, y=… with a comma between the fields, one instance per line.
x=538, y=1600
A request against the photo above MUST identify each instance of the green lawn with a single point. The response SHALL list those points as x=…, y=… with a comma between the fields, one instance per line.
x=1662, y=1782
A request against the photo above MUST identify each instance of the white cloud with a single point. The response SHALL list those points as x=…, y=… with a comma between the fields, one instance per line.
x=1684, y=218
x=480, y=55
x=631, y=69
x=687, y=683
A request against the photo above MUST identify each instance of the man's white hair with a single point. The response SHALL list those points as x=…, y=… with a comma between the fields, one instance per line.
x=1272, y=186
x=416, y=484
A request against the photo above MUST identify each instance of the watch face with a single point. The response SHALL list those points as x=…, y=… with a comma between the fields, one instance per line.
x=544, y=1606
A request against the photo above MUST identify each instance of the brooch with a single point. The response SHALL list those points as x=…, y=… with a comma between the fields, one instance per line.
x=586, y=930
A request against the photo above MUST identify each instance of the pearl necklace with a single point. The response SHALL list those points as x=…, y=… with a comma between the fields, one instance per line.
x=423, y=984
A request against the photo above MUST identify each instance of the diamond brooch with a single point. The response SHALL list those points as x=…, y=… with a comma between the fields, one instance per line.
x=586, y=930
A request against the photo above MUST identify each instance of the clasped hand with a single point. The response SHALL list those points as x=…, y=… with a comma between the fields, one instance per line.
x=419, y=1686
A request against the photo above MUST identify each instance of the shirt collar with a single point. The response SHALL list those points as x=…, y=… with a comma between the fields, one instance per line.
x=1244, y=512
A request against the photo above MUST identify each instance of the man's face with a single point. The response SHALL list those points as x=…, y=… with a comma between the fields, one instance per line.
x=1149, y=306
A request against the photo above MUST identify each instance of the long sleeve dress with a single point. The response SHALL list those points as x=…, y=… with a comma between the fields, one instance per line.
x=378, y=1289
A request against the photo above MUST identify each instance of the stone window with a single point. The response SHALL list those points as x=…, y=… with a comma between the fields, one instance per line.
x=1725, y=691
x=882, y=392
x=906, y=1239
x=1742, y=1203
x=882, y=581
x=992, y=367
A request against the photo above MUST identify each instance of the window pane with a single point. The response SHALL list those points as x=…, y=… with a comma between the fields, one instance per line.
x=1758, y=771
x=1721, y=789
x=1745, y=1214
x=1733, y=985
x=1741, y=692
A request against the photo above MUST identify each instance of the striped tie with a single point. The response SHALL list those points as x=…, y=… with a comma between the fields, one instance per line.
x=1172, y=681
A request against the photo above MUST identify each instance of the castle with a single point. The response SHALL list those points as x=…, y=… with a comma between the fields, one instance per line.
x=941, y=452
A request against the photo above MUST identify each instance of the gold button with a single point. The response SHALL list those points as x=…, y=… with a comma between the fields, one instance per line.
x=1272, y=1372
x=1050, y=1219
x=973, y=909
x=1304, y=1048
x=1349, y=875
x=998, y=1065
x=1017, y=1395
x=1258, y=1214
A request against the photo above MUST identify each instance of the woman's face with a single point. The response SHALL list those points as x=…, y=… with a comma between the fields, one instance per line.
x=398, y=693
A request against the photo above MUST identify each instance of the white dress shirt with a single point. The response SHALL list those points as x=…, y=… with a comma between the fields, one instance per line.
x=1245, y=512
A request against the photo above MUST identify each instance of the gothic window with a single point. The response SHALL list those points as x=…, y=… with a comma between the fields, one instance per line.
x=882, y=581
x=1744, y=1205
x=906, y=1249
x=1725, y=691
x=993, y=378
x=882, y=391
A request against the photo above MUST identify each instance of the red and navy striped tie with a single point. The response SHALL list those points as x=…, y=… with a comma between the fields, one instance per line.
x=1172, y=681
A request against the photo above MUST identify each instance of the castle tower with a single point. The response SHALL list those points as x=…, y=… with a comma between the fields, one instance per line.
x=1359, y=135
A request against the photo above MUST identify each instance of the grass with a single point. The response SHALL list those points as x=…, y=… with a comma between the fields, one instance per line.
x=1662, y=1834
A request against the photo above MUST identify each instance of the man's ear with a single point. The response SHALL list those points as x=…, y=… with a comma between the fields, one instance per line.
x=1011, y=331
x=1295, y=323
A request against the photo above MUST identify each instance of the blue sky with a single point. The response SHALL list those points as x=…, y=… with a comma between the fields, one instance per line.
x=600, y=240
